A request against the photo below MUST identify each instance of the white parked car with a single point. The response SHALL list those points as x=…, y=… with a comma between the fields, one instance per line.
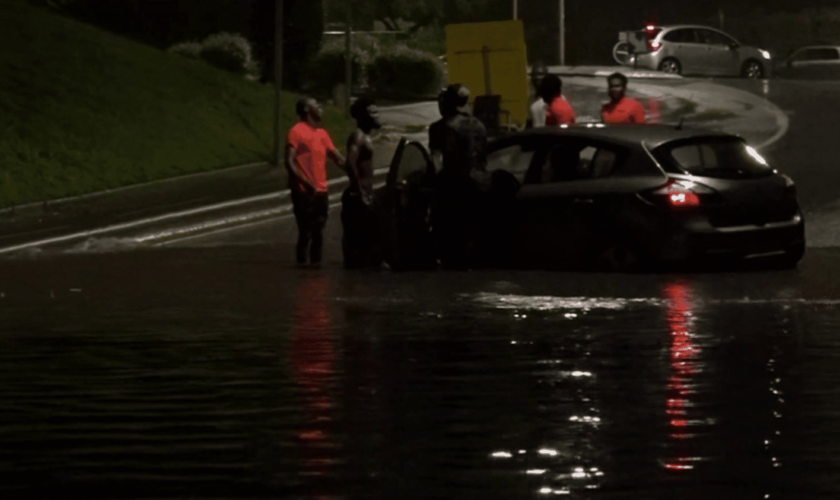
x=691, y=49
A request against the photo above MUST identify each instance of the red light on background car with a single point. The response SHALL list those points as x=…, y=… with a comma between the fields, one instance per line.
x=650, y=27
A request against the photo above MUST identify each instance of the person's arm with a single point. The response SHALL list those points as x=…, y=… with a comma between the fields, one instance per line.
x=351, y=162
x=337, y=157
x=332, y=151
x=292, y=168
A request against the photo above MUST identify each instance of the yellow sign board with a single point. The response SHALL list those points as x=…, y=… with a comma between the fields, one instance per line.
x=490, y=58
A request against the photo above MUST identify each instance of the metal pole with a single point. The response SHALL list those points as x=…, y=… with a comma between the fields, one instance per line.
x=515, y=10
x=279, y=139
x=348, y=67
x=562, y=32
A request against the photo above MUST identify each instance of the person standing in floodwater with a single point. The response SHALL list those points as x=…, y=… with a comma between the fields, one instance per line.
x=461, y=179
x=357, y=214
x=307, y=147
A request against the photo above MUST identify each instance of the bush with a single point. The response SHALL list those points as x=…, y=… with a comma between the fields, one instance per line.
x=191, y=50
x=327, y=69
x=407, y=72
x=228, y=51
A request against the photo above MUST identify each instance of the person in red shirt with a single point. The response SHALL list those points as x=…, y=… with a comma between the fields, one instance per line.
x=621, y=109
x=558, y=110
x=307, y=147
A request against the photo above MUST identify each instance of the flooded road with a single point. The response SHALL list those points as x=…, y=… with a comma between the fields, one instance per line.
x=223, y=372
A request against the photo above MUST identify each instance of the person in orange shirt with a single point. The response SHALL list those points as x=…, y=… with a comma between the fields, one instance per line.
x=621, y=109
x=307, y=147
x=558, y=110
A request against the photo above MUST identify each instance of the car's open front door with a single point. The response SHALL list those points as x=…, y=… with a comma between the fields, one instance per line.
x=403, y=207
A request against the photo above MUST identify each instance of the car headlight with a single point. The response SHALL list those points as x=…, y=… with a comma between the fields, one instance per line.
x=764, y=54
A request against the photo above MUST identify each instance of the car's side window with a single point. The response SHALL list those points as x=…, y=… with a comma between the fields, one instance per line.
x=714, y=38
x=681, y=36
x=816, y=54
x=513, y=158
x=826, y=54
x=572, y=161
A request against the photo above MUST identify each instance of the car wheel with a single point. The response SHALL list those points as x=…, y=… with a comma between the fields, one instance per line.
x=753, y=70
x=791, y=257
x=670, y=65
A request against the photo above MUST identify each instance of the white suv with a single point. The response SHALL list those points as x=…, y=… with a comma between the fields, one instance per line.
x=690, y=49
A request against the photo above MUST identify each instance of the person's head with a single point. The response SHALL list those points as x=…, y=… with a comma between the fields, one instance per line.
x=440, y=100
x=455, y=99
x=617, y=86
x=550, y=88
x=364, y=111
x=538, y=72
x=308, y=109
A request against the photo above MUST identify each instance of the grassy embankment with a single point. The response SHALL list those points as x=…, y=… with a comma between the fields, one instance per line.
x=83, y=110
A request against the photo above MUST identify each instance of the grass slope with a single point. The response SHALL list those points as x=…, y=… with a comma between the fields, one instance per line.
x=82, y=110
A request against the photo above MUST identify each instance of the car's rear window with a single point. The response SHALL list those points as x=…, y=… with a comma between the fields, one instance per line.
x=719, y=157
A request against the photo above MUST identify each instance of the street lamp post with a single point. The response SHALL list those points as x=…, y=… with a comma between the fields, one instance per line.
x=515, y=10
x=562, y=21
x=279, y=141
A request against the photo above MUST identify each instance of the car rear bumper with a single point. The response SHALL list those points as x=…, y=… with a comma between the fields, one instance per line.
x=644, y=61
x=701, y=241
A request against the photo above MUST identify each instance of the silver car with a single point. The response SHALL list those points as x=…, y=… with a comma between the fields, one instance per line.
x=814, y=62
x=690, y=49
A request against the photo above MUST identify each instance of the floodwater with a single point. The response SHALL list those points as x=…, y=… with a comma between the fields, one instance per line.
x=223, y=372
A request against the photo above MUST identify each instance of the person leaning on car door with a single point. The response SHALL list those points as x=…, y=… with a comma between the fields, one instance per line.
x=461, y=178
x=621, y=109
x=307, y=147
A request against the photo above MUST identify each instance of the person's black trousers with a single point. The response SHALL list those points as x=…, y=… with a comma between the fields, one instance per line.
x=311, y=210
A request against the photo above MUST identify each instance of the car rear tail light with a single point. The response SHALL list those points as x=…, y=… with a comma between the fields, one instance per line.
x=652, y=31
x=678, y=193
x=790, y=187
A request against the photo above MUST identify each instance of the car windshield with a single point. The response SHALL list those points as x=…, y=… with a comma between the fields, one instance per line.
x=719, y=157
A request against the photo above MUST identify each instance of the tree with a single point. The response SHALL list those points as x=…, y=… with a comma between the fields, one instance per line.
x=417, y=13
x=303, y=29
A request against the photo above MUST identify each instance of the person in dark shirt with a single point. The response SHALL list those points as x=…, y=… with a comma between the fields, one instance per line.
x=436, y=133
x=461, y=180
x=357, y=214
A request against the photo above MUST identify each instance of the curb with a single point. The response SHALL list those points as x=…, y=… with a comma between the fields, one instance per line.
x=193, y=229
x=97, y=194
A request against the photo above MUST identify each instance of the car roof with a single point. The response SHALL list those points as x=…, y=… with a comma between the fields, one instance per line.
x=651, y=135
x=681, y=26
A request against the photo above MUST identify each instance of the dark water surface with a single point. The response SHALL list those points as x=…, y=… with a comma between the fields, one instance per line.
x=225, y=373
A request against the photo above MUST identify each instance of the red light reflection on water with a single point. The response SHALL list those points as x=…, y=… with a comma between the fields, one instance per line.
x=683, y=366
x=313, y=360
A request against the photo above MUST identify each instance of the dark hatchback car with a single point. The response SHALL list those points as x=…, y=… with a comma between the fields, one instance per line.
x=606, y=197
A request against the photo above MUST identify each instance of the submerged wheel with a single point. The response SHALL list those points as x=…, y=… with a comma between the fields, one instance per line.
x=670, y=65
x=753, y=70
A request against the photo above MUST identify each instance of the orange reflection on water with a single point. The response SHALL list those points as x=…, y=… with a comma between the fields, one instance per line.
x=313, y=360
x=684, y=354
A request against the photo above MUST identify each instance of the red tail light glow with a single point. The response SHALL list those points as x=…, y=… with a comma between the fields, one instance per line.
x=681, y=193
x=654, y=46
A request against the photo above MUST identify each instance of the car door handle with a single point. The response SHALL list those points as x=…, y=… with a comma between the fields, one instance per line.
x=583, y=201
